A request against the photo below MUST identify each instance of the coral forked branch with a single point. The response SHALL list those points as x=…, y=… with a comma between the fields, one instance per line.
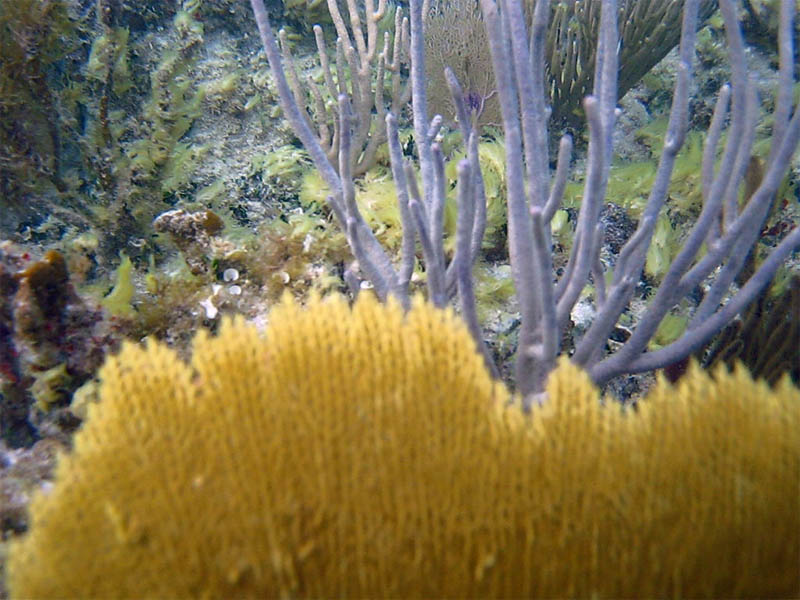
x=727, y=231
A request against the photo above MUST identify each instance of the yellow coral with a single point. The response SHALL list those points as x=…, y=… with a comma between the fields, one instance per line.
x=367, y=453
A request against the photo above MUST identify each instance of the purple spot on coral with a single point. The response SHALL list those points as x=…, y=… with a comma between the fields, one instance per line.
x=474, y=102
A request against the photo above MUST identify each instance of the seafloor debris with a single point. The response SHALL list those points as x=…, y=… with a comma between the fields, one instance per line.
x=191, y=233
x=22, y=471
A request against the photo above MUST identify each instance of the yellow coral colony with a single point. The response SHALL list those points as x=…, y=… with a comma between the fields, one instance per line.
x=367, y=453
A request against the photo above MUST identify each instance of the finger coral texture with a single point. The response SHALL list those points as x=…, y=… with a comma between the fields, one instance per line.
x=366, y=452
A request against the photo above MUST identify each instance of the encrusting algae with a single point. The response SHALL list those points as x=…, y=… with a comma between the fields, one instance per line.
x=366, y=452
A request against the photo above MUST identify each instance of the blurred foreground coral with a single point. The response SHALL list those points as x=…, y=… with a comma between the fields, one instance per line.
x=366, y=452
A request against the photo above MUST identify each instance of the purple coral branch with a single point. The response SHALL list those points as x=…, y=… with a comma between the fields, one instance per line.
x=533, y=196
